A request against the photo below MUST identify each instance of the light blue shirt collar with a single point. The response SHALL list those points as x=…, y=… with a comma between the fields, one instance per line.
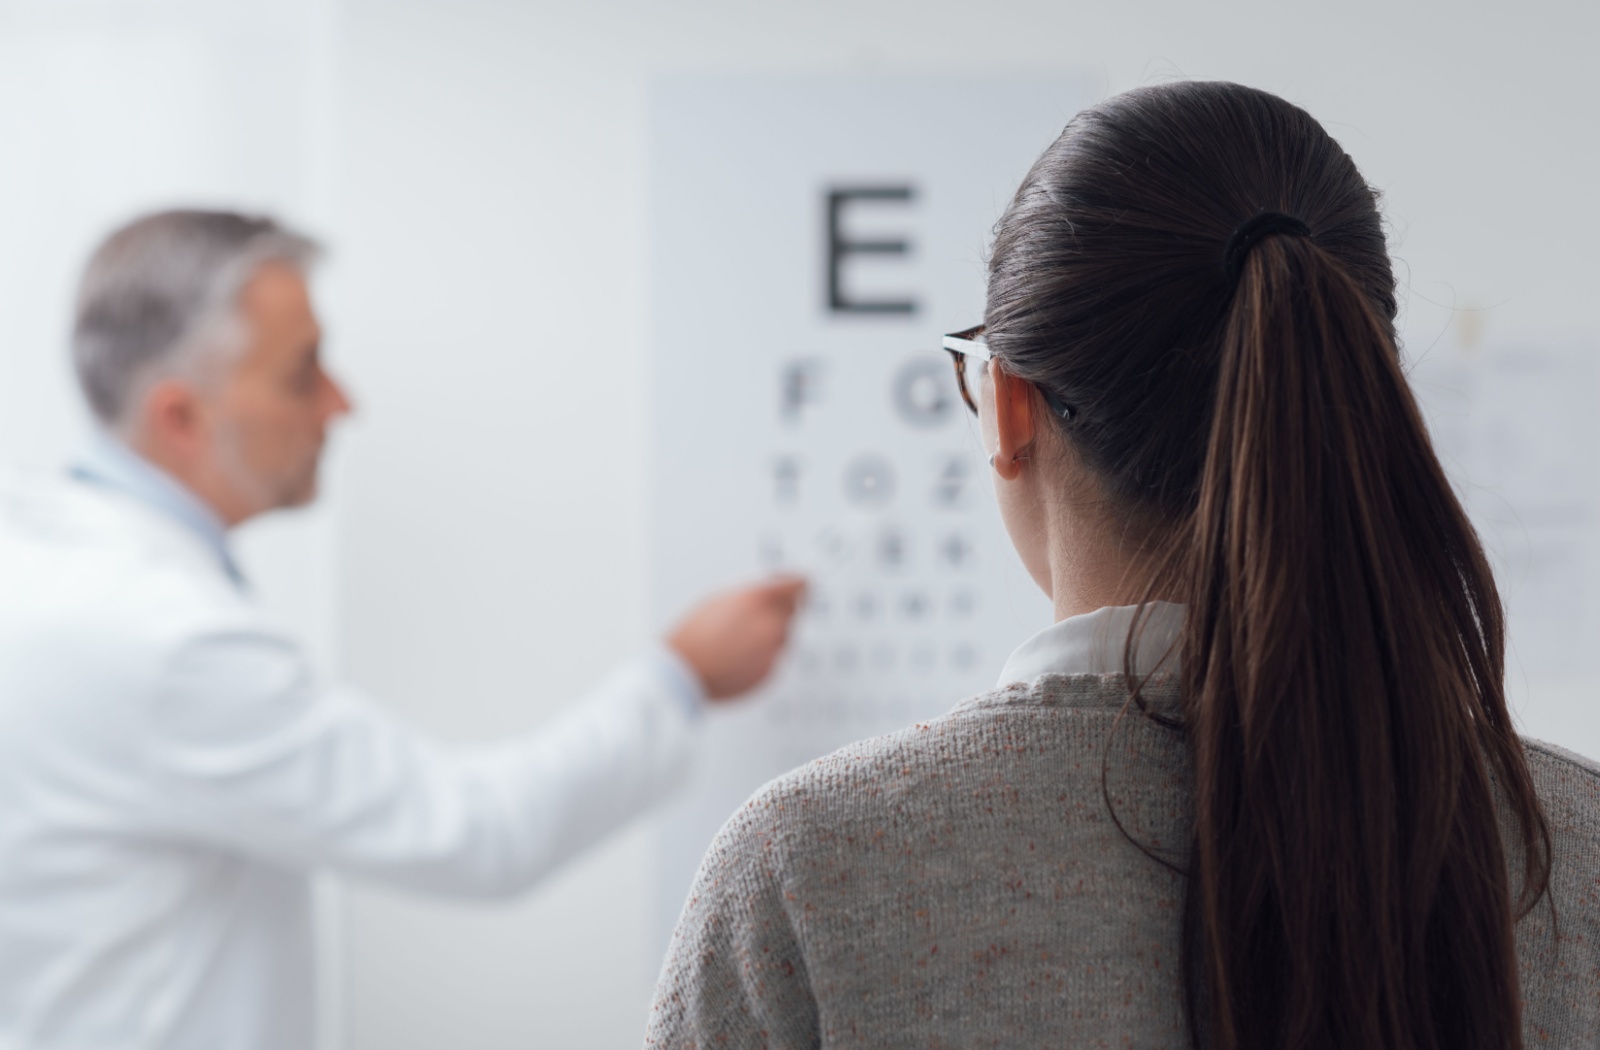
x=1093, y=643
x=108, y=462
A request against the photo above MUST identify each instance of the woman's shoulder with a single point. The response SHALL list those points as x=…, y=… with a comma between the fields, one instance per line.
x=1558, y=941
x=1013, y=734
x=865, y=773
x=1569, y=787
x=1561, y=760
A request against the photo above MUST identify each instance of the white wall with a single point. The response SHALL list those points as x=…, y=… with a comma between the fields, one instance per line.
x=491, y=317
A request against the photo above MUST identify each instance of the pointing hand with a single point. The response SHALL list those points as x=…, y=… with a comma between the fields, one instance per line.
x=732, y=639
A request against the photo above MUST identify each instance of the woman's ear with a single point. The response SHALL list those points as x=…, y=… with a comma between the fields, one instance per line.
x=1014, y=420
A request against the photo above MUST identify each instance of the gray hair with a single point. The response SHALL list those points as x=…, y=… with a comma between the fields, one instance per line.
x=160, y=297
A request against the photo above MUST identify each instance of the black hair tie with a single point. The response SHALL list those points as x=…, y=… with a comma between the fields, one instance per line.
x=1249, y=234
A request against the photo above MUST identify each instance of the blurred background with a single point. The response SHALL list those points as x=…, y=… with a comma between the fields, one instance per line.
x=481, y=171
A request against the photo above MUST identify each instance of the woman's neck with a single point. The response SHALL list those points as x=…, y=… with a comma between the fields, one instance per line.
x=1095, y=563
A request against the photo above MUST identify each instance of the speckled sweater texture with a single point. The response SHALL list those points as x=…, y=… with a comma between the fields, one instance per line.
x=961, y=883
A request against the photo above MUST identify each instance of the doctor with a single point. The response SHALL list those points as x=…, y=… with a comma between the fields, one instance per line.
x=171, y=772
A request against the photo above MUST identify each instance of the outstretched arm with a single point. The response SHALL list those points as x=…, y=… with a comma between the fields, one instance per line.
x=244, y=749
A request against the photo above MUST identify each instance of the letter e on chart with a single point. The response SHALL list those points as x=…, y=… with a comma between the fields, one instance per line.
x=844, y=248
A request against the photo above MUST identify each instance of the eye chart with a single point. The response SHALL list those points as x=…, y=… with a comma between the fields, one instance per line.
x=812, y=240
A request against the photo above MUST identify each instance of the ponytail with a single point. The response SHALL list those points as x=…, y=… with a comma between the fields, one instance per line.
x=1343, y=656
x=1343, y=667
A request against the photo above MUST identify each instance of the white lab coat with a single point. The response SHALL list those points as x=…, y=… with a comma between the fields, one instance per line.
x=171, y=772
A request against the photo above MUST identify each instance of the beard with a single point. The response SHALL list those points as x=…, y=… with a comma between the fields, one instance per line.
x=263, y=489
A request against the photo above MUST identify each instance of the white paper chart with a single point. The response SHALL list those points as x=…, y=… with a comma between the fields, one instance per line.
x=812, y=239
x=1515, y=423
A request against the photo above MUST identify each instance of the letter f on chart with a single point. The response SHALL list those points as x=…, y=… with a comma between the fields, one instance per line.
x=799, y=385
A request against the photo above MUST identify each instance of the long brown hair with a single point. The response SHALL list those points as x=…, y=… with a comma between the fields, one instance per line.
x=1343, y=654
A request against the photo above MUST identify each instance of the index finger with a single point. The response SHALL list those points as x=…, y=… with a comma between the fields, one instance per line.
x=786, y=589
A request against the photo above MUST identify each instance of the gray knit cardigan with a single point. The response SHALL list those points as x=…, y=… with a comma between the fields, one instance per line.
x=961, y=884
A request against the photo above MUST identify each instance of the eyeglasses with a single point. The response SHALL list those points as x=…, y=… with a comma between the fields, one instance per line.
x=970, y=352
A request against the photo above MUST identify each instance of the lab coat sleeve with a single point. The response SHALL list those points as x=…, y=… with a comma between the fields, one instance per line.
x=245, y=750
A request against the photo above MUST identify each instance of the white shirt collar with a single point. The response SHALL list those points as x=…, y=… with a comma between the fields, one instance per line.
x=107, y=461
x=1093, y=644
